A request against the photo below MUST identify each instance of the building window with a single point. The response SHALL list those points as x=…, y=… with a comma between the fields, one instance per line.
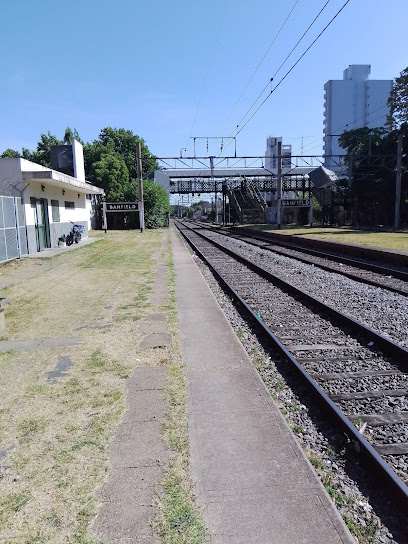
x=55, y=211
x=69, y=205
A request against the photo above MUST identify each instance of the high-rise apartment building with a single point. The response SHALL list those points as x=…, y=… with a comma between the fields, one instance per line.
x=353, y=102
x=271, y=154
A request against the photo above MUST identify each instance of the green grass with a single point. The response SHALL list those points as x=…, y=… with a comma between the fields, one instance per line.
x=178, y=521
x=364, y=535
x=298, y=429
x=61, y=432
x=317, y=462
x=394, y=240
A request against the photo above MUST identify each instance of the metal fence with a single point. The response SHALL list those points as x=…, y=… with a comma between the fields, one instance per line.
x=13, y=232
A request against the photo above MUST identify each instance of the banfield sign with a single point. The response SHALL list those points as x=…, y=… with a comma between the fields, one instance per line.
x=122, y=207
x=296, y=203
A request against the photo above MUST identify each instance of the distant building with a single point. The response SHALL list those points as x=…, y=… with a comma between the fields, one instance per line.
x=271, y=154
x=351, y=103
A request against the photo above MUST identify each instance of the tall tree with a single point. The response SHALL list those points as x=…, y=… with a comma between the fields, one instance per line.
x=119, y=143
x=373, y=174
x=111, y=173
x=10, y=153
x=156, y=203
x=398, y=101
x=69, y=134
x=42, y=155
x=124, y=144
x=362, y=140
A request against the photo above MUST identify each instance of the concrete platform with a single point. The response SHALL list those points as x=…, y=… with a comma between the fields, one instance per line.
x=51, y=252
x=252, y=481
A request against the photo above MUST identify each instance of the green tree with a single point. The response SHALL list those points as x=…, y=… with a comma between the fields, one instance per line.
x=119, y=143
x=123, y=142
x=362, y=140
x=398, y=101
x=10, y=153
x=373, y=153
x=111, y=174
x=110, y=163
x=42, y=155
x=156, y=203
x=69, y=134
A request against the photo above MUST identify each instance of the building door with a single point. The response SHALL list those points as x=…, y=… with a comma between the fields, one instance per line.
x=42, y=226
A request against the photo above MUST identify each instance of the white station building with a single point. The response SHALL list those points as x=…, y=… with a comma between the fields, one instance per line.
x=37, y=204
x=350, y=103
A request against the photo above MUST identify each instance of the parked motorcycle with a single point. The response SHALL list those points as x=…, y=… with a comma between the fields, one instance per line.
x=75, y=234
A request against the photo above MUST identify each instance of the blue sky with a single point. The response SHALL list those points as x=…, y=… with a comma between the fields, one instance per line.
x=142, y=66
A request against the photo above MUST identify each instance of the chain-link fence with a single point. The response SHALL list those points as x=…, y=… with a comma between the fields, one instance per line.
x=13, y=232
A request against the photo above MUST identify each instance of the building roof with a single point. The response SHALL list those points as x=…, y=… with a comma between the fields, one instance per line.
x=178, y=173
x=35, y=172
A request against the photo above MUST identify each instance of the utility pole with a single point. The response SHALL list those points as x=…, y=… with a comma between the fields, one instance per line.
x=398, y=184
x=140, y=185
x=350, y=180
x=104, y=220
x=215, y=188
x=279, y=203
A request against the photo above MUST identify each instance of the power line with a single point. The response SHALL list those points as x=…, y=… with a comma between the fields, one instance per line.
x=293, y=66
x=293, y=49
x=208, y=70
x=345, y=126
x=257, y=68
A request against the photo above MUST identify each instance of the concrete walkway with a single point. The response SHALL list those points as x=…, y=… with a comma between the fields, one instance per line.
x=252, y=481
x=139, y=456
x=51, y=252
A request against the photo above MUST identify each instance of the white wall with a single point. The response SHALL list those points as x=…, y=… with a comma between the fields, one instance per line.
x=78, y=158
x=378, y=93
x=352, y=103
x=78, y=215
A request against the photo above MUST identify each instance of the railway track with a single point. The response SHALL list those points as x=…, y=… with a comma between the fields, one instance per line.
x=358, y=375
x=390, y=277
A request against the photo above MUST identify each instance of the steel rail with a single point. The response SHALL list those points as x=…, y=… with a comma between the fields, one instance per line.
x=328, y=256
x=392, y=482
x=387, y=345
x=383, y=270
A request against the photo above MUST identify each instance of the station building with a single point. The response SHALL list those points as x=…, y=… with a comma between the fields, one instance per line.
x=38, y=204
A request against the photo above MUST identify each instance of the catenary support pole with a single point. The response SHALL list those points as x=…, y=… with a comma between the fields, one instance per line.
x=398, y=184
x=215, y=188
x=140, y=185
x=279, y=203
x=105, y=223
x=310, y=207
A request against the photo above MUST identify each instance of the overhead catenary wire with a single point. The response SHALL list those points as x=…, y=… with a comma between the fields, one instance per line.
x=376, y=119
x=286, y=59
x=278, y=70
x=344, y=127
x=294, y=65
x=259, y=65
x=286, y=75
x=208, y=70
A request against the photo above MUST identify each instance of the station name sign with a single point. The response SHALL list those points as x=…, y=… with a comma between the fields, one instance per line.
x=296, y=202
x=122, y=206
